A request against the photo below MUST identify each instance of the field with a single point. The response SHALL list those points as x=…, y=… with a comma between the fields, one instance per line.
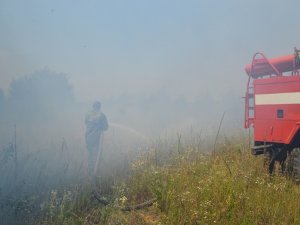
x=185, y=185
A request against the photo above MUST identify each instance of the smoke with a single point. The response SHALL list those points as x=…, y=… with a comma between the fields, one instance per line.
x=41, y=115
x=161, y=71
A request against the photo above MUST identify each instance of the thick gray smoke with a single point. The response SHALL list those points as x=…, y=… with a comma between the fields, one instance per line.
x=42, y=146
x=41, y=116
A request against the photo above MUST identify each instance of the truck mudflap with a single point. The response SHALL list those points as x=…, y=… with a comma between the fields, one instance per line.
x=260, y=149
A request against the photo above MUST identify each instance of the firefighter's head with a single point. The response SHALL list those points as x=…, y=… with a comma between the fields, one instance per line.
x=97, y=106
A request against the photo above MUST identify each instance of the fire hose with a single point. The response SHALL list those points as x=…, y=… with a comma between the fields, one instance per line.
x=142, y=205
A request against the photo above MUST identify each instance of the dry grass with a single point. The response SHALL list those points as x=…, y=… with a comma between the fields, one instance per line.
x=191, y=187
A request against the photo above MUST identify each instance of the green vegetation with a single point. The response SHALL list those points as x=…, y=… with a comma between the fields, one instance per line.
x=229, y=186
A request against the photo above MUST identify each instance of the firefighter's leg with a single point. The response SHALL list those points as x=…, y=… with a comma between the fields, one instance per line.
x=282, y=160
x=92, y=151
x=277, y=154
x=269, y=161
x=271, y=166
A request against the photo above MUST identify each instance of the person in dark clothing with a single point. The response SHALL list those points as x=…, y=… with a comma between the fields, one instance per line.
x=96, y=123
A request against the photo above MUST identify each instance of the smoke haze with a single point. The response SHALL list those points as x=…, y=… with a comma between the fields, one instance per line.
x=159, y=68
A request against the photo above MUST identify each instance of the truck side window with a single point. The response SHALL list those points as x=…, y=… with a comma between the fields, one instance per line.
x=279, y=113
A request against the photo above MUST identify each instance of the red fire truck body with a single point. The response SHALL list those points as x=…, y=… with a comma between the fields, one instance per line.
x=276, y=109
x=272, y=105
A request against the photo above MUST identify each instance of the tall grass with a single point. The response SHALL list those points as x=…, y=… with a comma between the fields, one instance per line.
x=191, y=187
x=230, y=187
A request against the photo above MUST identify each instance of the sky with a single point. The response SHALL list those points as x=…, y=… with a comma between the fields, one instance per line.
x=112, y=48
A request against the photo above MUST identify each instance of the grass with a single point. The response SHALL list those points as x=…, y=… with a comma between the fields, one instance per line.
x=191, y=187
x=231, y=187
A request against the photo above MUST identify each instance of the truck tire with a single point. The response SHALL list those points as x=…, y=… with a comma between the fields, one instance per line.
x=293, y=165
x=296, y=167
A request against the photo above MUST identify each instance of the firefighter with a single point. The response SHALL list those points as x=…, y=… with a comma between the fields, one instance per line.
x=96, y=123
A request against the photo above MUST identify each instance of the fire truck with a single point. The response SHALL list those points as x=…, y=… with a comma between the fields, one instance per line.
x=272, y=109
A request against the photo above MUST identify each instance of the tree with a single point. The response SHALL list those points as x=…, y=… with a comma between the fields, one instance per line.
x=42, y=94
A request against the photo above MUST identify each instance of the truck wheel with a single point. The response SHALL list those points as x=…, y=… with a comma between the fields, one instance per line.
x=296, y=166
x=293, y=168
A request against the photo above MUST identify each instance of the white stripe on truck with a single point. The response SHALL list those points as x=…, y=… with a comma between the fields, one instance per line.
x=278, y=98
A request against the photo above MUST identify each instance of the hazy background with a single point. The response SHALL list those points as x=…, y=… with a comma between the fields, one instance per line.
x=160, y=68
x=153, y=64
